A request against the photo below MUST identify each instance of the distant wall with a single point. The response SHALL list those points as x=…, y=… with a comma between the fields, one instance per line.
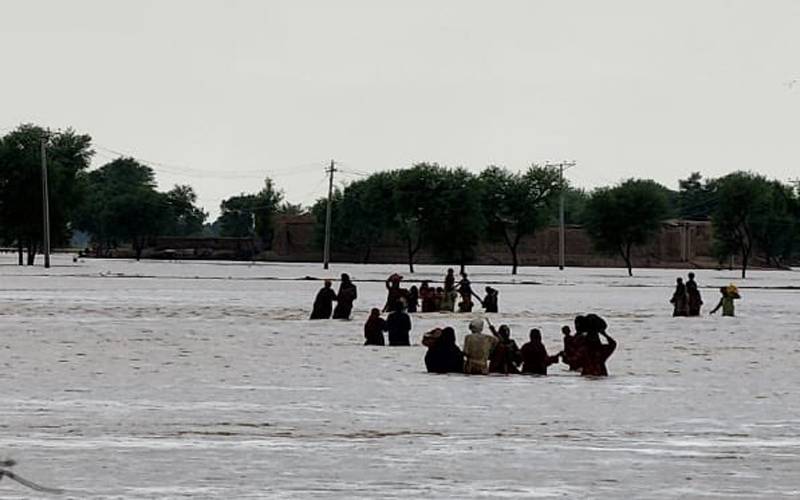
x=679, y=244
x=167, y=247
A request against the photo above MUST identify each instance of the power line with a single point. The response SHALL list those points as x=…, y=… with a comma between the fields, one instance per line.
x=184, y=170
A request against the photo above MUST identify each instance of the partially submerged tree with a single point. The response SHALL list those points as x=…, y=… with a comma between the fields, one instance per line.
x=68, y=155
x=752, y=213
x=515, y=205
x=414, y=205
x=776, y=226
x=625, y=216
x=361, y=214
x=122, y=205
x=457, y=224
x=365, y=213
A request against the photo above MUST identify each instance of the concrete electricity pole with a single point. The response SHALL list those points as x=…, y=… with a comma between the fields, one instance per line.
x=326, y=258
x=562, y=237
x=45, y=205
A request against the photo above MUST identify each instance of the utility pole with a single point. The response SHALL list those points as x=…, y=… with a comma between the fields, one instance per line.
x=326, y=258
x=562, y=235
x=45, y=204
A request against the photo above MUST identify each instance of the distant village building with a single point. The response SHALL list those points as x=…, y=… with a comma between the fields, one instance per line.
x=680, y=243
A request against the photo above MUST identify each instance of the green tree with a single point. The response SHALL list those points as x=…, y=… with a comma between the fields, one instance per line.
x=68, y=155
x=414, y=209
x=236, y=218
x=185, y=217
x=266, y=205
x=516, y=205
x=752, y=214
x=123, y=206
x=741, y=200
x=364, y=213
x=318, y=211
x=251, y=215
x=574, y=206
x=457, y=222
x=288, y=208
x=776, y=226
x=628, y=215
x=697, y=199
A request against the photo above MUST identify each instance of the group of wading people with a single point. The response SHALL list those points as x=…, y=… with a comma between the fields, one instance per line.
x=453, y=295
x=687, y=301
x=401, y=301
x=424, y=298
x=484, y=354
x=323, y=303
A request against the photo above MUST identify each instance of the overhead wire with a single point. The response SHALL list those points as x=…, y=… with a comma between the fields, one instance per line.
x=184, y=170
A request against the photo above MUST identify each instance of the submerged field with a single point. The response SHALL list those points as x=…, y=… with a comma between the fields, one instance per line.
x=164, y=380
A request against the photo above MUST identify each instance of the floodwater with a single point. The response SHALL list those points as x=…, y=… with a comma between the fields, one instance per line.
x=205, y=380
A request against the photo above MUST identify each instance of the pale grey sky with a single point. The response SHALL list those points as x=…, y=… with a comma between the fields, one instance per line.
x=222, y=93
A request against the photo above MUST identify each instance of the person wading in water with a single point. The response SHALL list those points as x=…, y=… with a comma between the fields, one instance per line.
x=374, y=328
x=695, y=300
x=345, y=298
x=535, y=359
x=477, y=348
x=680, y=300
x=323, y=304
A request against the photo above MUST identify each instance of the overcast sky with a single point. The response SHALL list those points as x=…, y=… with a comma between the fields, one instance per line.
x=221, y=93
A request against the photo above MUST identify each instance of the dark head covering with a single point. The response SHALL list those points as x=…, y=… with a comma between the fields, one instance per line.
x=448, y=336
x=504, y=331
x=595, y=323
x=580, y=324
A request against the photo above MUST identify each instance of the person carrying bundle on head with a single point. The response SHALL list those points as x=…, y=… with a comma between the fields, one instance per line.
x=443, y=354
x=394, y=292
x=729, y=294
x=594, y=352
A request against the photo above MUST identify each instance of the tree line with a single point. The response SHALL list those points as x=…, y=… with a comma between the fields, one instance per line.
x=115, y=204
x=447, y=210
x=451, y=211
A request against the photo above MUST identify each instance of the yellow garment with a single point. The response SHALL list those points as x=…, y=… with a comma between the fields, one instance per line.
x=477, y=348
